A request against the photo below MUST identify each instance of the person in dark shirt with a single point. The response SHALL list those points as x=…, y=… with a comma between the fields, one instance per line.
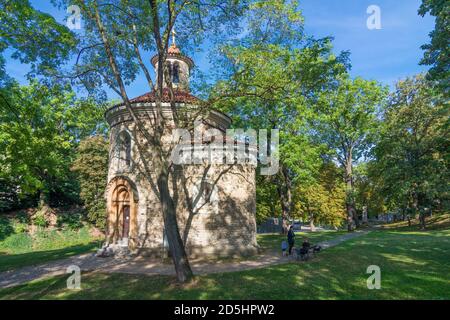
x=291, y=239
x=305, y=246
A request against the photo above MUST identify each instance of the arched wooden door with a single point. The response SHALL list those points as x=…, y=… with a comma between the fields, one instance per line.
x=121, y=204
x=122, y=207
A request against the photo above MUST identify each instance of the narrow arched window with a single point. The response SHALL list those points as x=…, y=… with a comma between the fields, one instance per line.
x=175, y=73
x=123, y=151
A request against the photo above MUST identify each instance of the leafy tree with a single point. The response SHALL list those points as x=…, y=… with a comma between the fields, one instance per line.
x=322, y=201
x=91, y=165
x=412, y=154
x=347, y=118
x=437, y=52
x=368, y=190
x=267, y=201
x=111, y=47
x=33, y=37
x=39, y=129
x=274, y=75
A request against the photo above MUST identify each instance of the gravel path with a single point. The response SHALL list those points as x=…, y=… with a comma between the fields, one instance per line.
x=141, y=265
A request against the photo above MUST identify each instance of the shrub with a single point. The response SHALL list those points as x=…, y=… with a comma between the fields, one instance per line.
x=19, y=227
x=17, y=243
x=91, y=165
x=6, y=229
x=71, y=221
x=40, y=220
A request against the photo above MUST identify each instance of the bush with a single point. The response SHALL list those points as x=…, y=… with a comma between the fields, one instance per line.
x=91, y=165
x=6, y=229
x=40, y=220
x=17, y=243
x=71, y=221
x=19, y=227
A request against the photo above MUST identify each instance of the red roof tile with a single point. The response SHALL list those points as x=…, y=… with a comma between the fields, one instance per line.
x=173, y=49
x=179, y=95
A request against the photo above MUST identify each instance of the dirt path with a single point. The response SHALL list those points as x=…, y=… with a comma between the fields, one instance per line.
x=141, y=265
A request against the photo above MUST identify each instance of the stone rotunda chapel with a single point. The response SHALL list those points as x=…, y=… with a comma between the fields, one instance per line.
x=221, y=222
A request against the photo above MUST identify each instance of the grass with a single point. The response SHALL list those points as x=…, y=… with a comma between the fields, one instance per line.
x=19, y=249
x=414, y=265
x=436, y=222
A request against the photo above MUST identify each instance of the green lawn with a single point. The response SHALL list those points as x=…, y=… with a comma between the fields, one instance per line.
x=19, y=249
x=414, y=265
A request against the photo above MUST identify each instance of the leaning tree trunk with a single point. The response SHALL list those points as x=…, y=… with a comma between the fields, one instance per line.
x=176, y=246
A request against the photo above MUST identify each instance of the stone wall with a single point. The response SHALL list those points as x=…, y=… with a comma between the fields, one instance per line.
x=220, y=223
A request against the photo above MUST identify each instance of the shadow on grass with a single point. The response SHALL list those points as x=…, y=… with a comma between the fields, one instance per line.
x=13, y=261
x=412, y=267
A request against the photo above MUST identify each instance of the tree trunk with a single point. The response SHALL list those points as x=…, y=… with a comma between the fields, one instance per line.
x=422, y=220
x=355, y=216
x=176, y=246
x=351, y=212
x=349, y=217
x=417, y=211
x=284, y=210
x=311, y=222
x=43, y=199
x=284, y=192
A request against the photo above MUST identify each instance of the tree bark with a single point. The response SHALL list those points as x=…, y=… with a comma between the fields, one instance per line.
x=311, y=222
x=284, y=188
x=417, y=211
x=176, y=245
x=43, y=199
x=351, y=212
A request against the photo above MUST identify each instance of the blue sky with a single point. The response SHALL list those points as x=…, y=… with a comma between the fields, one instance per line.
x=386, y=55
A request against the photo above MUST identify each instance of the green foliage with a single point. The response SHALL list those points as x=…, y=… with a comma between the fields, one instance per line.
x=367, y=189
x=437, y=52
x=17, y=242
x=34, y=37
x=277, y=74
x=323, y=201
x=39, y=130
x=6, y=228
x=52, y=239
x=412, y=153
x=70, y=221
x=19, y=249
x=267, y=202
x=347, y=117
x=40, y=220
x=91, y=165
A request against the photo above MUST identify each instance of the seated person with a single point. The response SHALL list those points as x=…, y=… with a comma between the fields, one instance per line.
x=305, y=246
